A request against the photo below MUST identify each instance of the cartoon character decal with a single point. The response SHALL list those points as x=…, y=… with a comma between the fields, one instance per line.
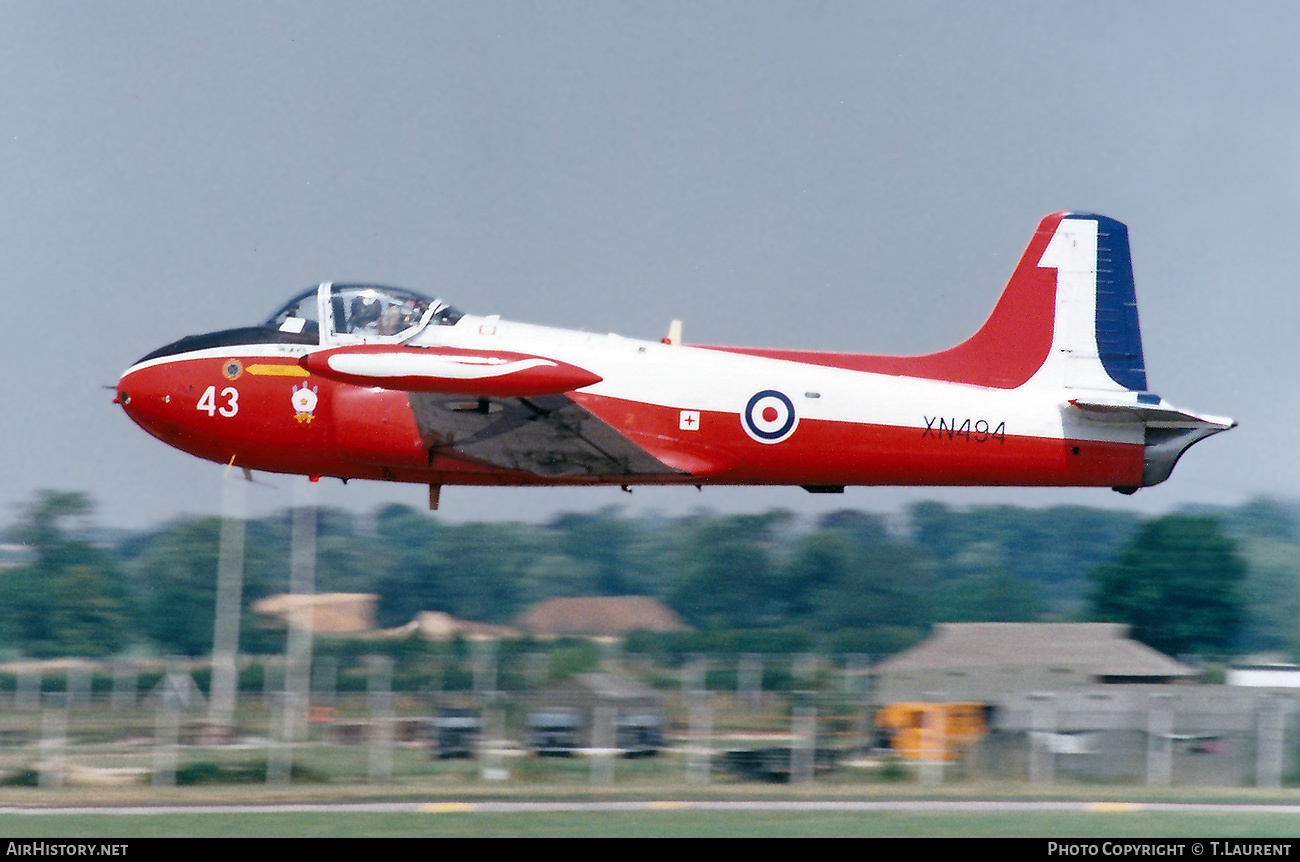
x=304, y=402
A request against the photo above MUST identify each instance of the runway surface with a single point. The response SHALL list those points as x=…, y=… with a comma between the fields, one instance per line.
x=491, y=807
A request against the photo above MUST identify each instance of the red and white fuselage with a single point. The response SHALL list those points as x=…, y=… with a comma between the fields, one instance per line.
x=367, y=382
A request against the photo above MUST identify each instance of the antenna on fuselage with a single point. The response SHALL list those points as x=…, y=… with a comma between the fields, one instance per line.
x=674, y=335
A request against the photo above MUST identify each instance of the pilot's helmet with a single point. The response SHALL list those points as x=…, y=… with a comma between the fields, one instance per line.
x=365, y=310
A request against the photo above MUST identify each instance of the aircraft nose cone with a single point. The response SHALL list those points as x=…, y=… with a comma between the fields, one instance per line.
x=147, y=396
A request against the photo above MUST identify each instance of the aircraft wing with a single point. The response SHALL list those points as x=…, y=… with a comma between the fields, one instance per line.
x=495, y=407
x=547, y=435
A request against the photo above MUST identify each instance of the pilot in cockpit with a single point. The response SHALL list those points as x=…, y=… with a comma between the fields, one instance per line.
x=391, y=321
x=364, y=314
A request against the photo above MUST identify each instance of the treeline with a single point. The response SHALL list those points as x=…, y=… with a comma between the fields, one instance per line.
x=848, y=581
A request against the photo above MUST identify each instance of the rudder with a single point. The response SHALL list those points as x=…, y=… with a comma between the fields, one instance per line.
x=1119, y=337
x=1096, y=339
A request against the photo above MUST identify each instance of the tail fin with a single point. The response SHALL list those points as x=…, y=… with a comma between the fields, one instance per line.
x=1097, y=343
x=1068, y=316
x=1096, y=352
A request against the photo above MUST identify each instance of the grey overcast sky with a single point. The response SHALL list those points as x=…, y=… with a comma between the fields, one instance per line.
x=836, y=175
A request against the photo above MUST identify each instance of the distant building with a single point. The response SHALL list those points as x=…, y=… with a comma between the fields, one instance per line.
x=439, y=626
x=1265, y=675
x=599, y=616
x=973, y=661
x=328, y=613
x=354, y=614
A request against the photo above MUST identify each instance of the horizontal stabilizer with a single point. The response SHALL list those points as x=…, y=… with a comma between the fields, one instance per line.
x=1152, y=411
x=452, y=371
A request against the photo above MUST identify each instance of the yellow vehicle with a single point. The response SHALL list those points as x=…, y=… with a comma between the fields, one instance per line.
x=932, y=731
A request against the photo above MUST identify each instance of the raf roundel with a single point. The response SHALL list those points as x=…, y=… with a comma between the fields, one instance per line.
x=769, y=416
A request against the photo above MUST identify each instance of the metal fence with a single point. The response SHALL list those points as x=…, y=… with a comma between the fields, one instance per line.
x=131, y=732
x=1152, y=735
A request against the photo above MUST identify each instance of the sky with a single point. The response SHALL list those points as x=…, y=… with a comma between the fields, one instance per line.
x=851, y=176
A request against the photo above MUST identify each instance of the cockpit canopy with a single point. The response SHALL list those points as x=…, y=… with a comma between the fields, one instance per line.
x=353, y=313
x=361, y=312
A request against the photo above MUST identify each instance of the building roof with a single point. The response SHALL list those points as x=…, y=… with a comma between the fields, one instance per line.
x=600, y=615
x=1104, y=649
x=329, y=613
x=439, y=626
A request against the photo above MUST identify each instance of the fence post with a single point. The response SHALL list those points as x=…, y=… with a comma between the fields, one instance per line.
x=224, y=688
x=379, y=693
x=54, y=741
x=602, y=745
x=485, y=670
x=804, y=749
x=695, y=677
x=30, y=682
x=490, y=744
x=699, y=741
x=1160, y=745
x=167, y=732
x=78, y=682
x=935, y=740
x=1270, y=722
x=1042, y=723
x=126, y=680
